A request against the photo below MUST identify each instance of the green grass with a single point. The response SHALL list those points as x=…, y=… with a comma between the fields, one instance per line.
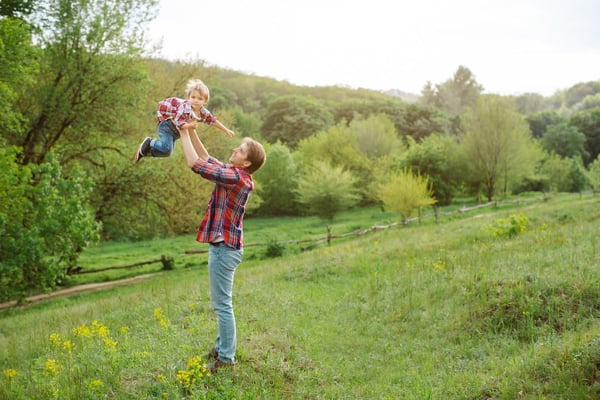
x=422, y=311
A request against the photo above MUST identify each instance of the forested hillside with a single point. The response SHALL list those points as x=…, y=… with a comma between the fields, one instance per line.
x=78, y=93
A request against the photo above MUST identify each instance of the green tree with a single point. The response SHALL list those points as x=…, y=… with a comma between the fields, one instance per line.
x=554, y=171
x=337, y=146
x=293, y=118
x=577, y=177
x=454, y=95
x=594, y=175
x=539, y=123
x=89, y=67
x=436, y=158
x=16, y=8
x=17, y=57
x=44, y=225
x=376, y=136
x=419, y=121
x=325, y=190
x=588, y=123
x=279, y=181
x=496, y=144
x=404, y=193
x=564, y=140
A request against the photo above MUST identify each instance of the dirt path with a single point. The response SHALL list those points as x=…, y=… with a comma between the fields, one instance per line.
x=88, y=288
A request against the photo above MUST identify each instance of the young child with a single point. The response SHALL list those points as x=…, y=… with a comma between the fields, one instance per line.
x=175, y=114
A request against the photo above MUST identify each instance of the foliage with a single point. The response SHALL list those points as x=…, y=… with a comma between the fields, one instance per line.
x=279, y=180
x=376, y=136
x=293, y=118
x=497, y=144
x=588, y=123
x=45, y=224
x=555, y=172
x=325, y=190
x=577, y=176
x=337, y=146
x=454, y=95
x=404, y=193
x=509, y=227
x=436, y=158
x=564, y=140
x=594, y=175
x=17, y=58
x=539, y=123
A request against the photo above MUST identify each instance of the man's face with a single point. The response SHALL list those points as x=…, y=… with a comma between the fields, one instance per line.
x=239, y=155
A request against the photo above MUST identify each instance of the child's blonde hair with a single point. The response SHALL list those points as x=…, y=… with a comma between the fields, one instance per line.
x=197, y=84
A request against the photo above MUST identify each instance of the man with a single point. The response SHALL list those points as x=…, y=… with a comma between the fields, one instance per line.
x=221, y=227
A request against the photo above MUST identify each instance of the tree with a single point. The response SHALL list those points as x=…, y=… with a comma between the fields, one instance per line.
x=325, y=190
x=454, y=95
x=496, y=143
x=17, y=57
x=404, y=192
x=594, y=175
x=588, y=123
x=279, y=181
x=577, y=177
x=89, y=51
x=337, y=146
x=376, y=136
x=44, y=224
x=564, y=140
x=16, y=8
x=539, y=123
x=419, y=121
x=436, y=158
x=293, y=118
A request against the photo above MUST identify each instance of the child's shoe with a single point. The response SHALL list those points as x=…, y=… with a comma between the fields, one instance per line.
x=143, y=150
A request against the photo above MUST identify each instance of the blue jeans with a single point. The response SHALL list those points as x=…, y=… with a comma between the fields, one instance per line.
x=167, y=135
x=222, y=263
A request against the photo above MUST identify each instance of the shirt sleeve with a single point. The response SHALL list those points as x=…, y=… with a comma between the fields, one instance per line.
x=206, y=116
x=215, y=171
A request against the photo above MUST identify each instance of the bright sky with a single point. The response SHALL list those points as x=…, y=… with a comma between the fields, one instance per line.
x=511, y=46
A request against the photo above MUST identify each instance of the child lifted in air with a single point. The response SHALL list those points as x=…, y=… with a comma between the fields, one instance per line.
x=175, y=114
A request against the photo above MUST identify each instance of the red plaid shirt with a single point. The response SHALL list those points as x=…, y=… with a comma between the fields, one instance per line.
x=225, y=211
x=180, y=111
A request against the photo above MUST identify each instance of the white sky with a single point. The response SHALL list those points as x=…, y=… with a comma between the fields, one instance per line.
x=511, y=46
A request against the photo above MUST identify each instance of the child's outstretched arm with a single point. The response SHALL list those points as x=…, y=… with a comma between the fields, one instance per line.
x=219, y=125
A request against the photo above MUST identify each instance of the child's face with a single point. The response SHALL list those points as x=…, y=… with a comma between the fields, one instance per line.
x=197, y=100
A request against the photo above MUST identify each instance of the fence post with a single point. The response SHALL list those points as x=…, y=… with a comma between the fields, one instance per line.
x=328, y=235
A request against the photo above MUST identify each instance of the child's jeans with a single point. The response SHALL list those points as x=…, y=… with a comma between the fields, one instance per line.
x=167, y=135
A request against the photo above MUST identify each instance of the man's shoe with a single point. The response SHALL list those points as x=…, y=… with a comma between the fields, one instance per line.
x=143, y=150
x=212, y=354
x=213, y=368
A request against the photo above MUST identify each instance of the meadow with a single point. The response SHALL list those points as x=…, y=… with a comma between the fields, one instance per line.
x=502, y=303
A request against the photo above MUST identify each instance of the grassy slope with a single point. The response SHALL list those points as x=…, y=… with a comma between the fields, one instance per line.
x=421, y=311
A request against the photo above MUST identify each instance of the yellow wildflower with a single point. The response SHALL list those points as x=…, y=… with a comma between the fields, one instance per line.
x=52, y=367
x=67, y=346
x=9, y=373
x=82, y=331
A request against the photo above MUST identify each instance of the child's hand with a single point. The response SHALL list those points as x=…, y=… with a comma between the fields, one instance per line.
x=190, y=124
x=229, y=132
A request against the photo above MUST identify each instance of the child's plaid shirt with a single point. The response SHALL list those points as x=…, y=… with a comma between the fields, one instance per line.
x=180, y=111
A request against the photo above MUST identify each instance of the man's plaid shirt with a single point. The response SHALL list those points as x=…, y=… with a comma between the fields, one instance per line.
x=225, y=211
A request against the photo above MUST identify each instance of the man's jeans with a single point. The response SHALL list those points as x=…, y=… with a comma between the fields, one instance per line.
x=167, y=134
x=222, y=263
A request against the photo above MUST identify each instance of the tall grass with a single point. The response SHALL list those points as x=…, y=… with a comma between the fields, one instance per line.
x=422, y=311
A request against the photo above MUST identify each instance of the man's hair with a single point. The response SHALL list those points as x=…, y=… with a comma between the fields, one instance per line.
x=197, y=84
x=255, y=154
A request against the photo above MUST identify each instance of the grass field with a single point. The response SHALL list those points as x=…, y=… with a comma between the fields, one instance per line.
x=502, y=303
